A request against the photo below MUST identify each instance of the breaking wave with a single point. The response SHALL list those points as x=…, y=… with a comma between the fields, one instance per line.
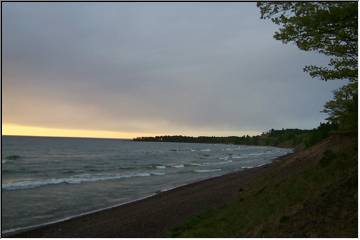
x=160, y=167
x=74, y=180
x=207, y=170
x=211, y=163
x=178, y=166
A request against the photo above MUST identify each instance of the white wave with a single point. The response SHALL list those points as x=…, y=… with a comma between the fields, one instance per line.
x=259, y=165
x=3, y=161
x=256, y=154
x=167, y=189
x=262, y=164
x=224, y=158
x=158, y=173
x=134, y=175
x=178, y=166
x=71, y=180
x=215, y=163
x=195, y=164
x=160, y=167
x=230, y=149
x=223, y=162
x=207, y=170
x=238, y=156
x=192, y=150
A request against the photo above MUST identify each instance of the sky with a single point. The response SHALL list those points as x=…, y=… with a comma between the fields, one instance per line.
x=124, y=70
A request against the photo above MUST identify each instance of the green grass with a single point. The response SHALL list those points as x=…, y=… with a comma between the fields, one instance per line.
x=316, y=199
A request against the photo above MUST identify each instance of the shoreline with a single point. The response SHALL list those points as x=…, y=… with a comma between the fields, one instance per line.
x=20, y=230
x=73, y=225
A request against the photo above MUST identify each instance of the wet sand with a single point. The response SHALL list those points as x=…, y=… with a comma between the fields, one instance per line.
x=156, y=216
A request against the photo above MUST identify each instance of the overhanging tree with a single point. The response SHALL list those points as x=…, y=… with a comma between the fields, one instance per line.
x=329, y=28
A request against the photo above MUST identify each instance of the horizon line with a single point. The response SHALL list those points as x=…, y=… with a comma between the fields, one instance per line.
x=44, y=136
x=11, y=129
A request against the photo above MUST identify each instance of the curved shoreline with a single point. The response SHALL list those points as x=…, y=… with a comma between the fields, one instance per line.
x=72, y=226
x=19, y=230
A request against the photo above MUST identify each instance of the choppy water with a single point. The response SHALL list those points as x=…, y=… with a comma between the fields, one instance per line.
x=45, y=179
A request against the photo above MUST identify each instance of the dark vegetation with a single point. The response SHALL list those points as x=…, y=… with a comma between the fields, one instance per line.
x=312, y=193
x=331, y=29
x=295, y=138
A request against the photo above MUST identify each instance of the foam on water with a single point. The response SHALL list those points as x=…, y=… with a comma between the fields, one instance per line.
x=73, y=180
x=259, y=165
x=158, y=173
x=207, y=170
x=161, y=167
x=54, y=169
x=179, y=166
x=256, y=154
x=212, y=163
x=195, y=164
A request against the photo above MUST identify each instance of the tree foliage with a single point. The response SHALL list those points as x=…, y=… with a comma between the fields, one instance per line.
x=283, y=138
x=329, y=28
x=343, y=108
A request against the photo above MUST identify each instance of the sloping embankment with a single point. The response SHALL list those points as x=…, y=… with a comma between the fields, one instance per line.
x=312, y=193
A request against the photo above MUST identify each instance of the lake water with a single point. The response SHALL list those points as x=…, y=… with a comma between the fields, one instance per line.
x=47, y=179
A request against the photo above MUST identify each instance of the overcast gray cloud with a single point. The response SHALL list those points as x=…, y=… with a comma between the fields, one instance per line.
x=154, y=67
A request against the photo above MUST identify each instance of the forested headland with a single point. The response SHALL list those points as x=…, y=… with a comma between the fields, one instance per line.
x=294, y=138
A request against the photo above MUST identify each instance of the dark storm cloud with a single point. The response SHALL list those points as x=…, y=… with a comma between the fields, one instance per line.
x=154, y=67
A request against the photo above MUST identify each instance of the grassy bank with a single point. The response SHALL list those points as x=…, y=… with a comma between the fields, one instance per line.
x=313, y=194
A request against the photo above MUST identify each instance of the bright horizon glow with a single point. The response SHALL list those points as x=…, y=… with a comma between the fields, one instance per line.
x=126, y=70
x=22, y=130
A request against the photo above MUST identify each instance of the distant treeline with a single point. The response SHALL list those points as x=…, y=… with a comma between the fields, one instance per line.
x=295, y=138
